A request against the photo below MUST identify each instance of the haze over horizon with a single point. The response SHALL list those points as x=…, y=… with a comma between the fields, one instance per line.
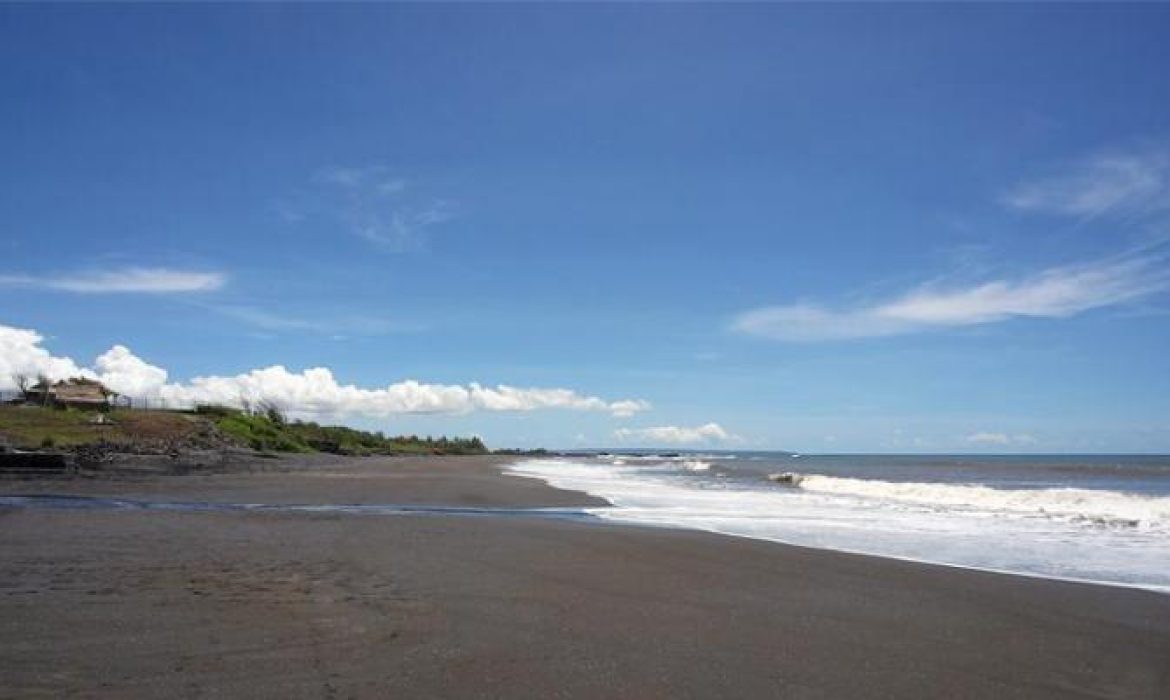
x=889, y=228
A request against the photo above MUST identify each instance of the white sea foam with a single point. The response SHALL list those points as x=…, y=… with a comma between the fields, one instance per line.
x=696, y=465
x=684, y=459
x=1088, y=506
x=1099, y=536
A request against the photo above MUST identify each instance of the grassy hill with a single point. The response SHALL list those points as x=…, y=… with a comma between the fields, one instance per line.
x=33, y=427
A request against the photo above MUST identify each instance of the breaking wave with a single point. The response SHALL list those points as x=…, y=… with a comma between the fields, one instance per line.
x=1087, y=506
x=1110, y=537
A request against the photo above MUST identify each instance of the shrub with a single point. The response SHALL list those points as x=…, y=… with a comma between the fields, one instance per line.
x=261, y=433
x=215, y=410
x=272, y=412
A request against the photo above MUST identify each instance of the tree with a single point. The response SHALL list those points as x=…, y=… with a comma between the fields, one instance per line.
x=271, y=411
x=44, y=384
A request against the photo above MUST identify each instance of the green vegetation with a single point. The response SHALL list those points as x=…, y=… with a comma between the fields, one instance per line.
x=267, y=429
x=349, y=441
x=264, y=428
x=260, y=433
x=34, y=427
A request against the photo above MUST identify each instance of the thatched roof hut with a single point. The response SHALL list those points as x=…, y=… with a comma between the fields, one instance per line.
x=77, y=392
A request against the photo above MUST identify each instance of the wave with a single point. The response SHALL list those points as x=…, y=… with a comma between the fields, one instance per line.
x=1088, y=506
x=1049, y=533
x=690, y=462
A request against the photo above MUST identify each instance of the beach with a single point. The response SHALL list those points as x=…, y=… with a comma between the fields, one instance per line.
x=271, y=603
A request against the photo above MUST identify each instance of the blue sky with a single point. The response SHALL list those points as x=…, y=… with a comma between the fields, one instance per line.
x=818, y=228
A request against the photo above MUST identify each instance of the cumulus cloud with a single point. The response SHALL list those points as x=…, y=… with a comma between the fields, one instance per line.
x=507, y=398
x=1057, y=292
x=1000, y=439
x=674, y=435
x=316, y=391
x=130, y=280
x=1135, y=182
x=313, y=391
x=21, y=353
x=128, y=374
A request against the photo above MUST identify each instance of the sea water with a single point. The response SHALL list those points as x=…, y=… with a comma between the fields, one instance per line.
x=1096, y=518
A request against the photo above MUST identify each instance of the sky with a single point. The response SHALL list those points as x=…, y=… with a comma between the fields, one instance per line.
x=819, y=228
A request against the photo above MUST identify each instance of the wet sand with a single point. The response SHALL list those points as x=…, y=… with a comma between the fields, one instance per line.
x=233, y=604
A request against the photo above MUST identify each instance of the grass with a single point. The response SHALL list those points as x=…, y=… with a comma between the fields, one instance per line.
x=32, y=427
x=261, y=433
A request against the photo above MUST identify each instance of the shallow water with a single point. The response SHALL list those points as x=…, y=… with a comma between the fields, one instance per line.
x=60, y=502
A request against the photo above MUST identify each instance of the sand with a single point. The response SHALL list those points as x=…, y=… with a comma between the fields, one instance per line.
x=155, y=604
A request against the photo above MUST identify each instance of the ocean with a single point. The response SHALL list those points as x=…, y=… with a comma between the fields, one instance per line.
x=1096, y=518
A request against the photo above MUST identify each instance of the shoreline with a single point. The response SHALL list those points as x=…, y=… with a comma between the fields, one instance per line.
x=583, y=514
x=616, y=516
x=267, y=604
x=1160, y=590
x=318, y=466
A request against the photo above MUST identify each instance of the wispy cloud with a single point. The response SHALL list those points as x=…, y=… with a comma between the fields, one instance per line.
x=265, y=320
x=372, y=203
x=313, y=391
x=401, y=229
x=334, y=325
x=1057, y=292
x=674, y=435
x=991, y=439
x=130, y=280
x=1127, y=183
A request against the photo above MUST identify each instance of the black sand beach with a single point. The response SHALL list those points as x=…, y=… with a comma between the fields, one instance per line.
x=276, y=604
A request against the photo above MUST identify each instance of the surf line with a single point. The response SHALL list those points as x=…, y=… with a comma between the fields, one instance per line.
x=69, y=502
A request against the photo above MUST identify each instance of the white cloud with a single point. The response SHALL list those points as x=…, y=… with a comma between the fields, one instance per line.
x=989, y=438
x=1000, y=439
x=1122, y=182
x=674, y=435
x=21, y=353
x=316, y=391
x=1057, y=292
x=507, y=398
x=128, y=374
x=313, y=391
x=628, y=407
x=130, y=280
